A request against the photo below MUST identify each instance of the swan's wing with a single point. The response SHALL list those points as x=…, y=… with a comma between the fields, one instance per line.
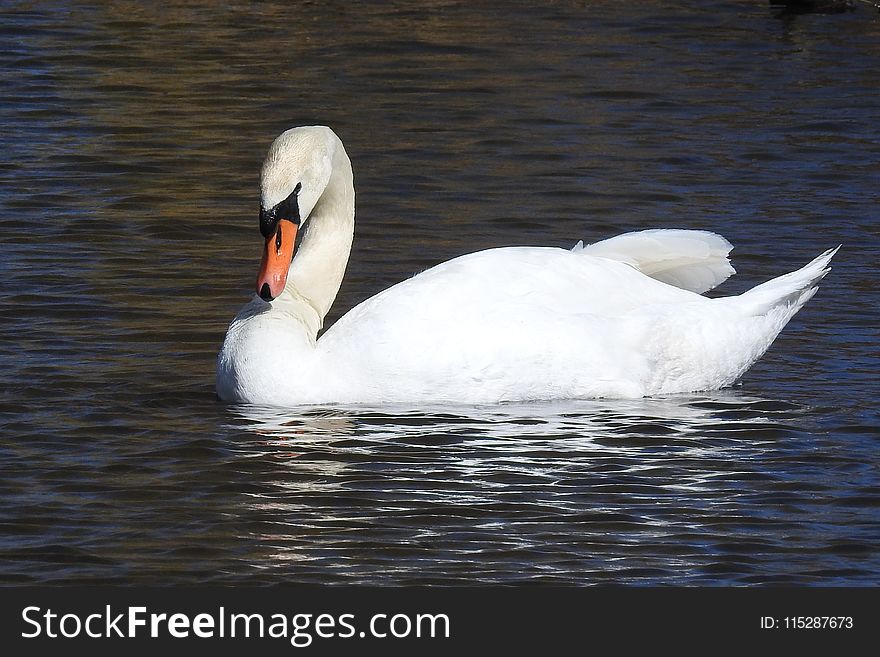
x=511, y=323
x=694, y=260
x=517, y=302
x=513, y=280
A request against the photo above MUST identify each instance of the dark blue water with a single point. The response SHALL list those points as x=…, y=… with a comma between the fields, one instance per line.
x=131, y=143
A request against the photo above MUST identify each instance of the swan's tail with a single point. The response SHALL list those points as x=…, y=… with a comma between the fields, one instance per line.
x=722, y=343
x=762, y=312
x=785, y=295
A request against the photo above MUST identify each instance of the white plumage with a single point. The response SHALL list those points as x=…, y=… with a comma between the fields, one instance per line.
x=619, y=318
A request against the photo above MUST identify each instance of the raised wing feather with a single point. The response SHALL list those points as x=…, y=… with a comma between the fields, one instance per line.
x=694, y=260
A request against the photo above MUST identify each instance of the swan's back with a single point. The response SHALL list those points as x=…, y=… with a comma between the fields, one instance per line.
x=511, y=323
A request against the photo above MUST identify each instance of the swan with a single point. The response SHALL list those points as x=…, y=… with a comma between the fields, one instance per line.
x=623, y=318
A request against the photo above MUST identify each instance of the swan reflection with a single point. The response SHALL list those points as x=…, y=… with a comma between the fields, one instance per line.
x=582, y=421
x=421, y=489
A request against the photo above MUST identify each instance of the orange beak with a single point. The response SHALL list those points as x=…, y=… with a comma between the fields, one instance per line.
x=277, y=255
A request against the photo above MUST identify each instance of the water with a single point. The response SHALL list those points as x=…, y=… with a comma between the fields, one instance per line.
x=132, y=138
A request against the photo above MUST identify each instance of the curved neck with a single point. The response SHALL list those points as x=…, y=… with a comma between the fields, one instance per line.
x=319, y=265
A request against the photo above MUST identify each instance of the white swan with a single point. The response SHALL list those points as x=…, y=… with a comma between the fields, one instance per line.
x=620, y=318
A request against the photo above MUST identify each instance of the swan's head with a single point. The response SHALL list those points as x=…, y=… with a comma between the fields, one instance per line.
x=295, y=173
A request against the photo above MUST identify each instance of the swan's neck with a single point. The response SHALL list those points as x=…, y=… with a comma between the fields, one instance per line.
x=319, y=265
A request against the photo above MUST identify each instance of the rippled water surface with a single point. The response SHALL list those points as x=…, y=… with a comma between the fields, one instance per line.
x=131, y=142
